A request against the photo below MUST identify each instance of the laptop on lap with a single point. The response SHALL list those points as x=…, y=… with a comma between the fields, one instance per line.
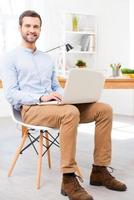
x=82, y=86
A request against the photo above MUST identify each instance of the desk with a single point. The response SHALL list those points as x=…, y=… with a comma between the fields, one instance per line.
x=111, y=83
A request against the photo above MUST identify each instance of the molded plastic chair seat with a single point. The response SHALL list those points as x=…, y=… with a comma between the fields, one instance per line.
x=44, y=132
x=16, y=116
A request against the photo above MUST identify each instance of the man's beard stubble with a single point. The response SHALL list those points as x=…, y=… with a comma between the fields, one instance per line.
x=27, y=38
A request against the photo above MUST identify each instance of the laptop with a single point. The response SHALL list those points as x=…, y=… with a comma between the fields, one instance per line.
x=82, y=86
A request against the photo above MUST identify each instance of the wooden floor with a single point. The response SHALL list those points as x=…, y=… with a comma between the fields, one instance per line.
x=22, y=184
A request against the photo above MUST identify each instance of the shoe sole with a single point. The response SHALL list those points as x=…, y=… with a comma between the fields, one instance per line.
x=96, y=183
x=64, y=194
x=99, y=184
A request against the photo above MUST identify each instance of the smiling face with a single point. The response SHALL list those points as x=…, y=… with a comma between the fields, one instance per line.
x=30, y=30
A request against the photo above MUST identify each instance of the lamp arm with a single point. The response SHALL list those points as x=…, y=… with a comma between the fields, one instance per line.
x=54, y=48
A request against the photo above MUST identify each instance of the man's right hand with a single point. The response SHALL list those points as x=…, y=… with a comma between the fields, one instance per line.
x=52, y=96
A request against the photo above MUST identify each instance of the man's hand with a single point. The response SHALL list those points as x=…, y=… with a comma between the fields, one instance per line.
x=52, y=96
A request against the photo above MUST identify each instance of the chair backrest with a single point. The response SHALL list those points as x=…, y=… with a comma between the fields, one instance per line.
x=16, y=115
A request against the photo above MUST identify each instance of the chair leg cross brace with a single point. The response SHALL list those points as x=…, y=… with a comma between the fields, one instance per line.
x=40, y=153
x=52, y=142
x=31, y=143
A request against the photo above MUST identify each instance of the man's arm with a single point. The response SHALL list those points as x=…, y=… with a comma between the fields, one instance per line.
x=55, y=84
x=11, y=86
x=56, y=88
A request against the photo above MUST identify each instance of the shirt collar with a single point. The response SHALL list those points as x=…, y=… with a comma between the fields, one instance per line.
x=29, y=50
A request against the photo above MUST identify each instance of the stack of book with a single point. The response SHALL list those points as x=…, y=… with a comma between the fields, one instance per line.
x=88, y=43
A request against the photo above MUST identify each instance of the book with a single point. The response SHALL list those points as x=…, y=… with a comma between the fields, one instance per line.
x=88, y=43
x=85, y=40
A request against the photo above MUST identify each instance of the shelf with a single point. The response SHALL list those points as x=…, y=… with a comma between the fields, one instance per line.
x=81, y=32
x=80, y=52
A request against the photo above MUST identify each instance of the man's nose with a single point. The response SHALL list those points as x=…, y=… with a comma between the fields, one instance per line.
x=31, y=29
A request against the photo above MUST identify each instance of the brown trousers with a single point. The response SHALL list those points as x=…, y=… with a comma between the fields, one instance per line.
x=67, y=119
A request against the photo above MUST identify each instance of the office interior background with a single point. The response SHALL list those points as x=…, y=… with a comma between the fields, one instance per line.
x=115, y=44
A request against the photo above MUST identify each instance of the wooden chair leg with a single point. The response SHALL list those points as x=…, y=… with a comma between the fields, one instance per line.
x=48, y=152
x=17, y=154
x=39, y=162
x=24, y=130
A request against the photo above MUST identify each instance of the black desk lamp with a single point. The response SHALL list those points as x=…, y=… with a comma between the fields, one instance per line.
x=68, y=47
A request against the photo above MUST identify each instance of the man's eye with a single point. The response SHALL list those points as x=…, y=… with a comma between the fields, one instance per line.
x=37, y=27
x=27, y=25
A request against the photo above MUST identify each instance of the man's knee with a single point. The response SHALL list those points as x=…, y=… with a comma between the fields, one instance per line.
x=106, y=110
x=72, y=113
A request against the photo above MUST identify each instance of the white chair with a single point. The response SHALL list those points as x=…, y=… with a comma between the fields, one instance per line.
x=44, y=132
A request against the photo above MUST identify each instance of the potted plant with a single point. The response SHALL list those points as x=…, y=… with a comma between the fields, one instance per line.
x=75, y=23
x=80, y=64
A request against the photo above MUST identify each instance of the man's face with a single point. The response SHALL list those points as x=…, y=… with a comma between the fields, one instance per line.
x=30, y=29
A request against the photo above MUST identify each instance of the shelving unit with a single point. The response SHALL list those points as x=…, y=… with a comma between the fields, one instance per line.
x=81, y=35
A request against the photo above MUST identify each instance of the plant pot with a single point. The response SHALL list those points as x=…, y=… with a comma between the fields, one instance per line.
x=81, y=66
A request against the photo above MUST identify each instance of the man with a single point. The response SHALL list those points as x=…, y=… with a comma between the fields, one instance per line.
x=29, y=78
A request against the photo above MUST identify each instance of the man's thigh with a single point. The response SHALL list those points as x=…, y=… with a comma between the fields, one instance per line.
x=45, y=115
x=89, y=111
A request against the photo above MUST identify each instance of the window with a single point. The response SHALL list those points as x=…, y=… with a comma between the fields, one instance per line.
x=9, y=12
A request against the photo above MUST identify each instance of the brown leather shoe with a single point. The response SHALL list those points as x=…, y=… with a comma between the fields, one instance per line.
x=70, y=187
x=100, y=176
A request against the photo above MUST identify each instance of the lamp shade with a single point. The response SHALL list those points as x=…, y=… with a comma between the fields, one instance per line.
x=68, y=47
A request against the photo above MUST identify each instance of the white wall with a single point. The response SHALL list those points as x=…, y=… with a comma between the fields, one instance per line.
x=4, y=105
x=113, y=37
x=113, y=26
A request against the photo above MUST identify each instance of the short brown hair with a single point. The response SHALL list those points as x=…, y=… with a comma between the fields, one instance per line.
x=29, y=13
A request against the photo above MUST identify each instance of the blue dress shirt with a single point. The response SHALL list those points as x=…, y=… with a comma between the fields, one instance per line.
x=28, y=75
